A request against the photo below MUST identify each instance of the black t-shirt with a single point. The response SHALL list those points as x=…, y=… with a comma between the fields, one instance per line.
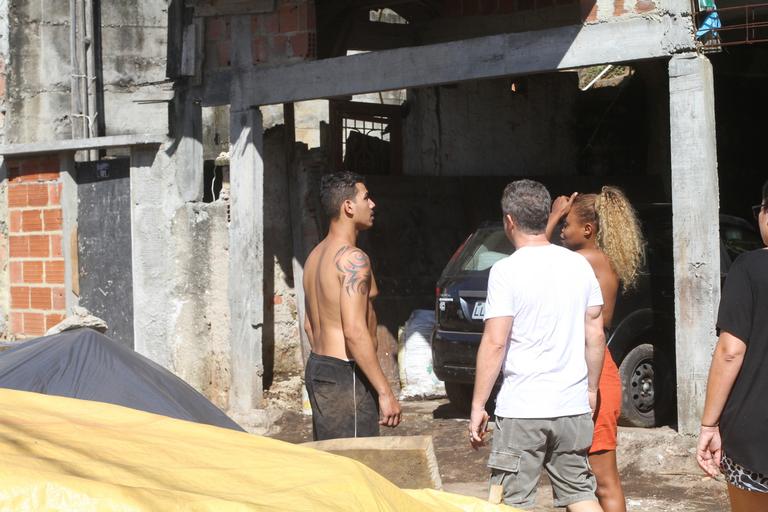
x=744, y=314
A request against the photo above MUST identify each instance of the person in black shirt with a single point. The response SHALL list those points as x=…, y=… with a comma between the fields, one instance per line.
x=734, y=425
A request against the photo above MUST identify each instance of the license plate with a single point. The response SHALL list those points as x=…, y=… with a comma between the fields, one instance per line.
x=478, y=312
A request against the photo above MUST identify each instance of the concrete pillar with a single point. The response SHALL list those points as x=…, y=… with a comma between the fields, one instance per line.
x=246, y=229
x=163, y=181
x=246, y=258
x=153, y=205
x=695, y=223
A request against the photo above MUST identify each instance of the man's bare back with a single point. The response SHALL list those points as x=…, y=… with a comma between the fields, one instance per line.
x=331, y=266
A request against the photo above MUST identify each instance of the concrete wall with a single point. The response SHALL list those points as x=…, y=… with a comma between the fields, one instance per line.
x=38, y=71
x=180, y=273
x=133, y=40
x=200, y=337
x=459, y=129
x=134, y=36
x=3, y=62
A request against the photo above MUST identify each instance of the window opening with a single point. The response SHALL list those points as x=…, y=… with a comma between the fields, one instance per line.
x=366, y=137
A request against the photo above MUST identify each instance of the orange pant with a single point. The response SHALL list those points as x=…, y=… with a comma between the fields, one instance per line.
x=608, y=407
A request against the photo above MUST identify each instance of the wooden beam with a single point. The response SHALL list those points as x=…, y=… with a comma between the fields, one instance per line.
x=231, y=7
x=471, y=59
x=57, y=146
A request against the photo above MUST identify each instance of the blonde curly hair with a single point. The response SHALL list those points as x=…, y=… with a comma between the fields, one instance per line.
x=619, y=234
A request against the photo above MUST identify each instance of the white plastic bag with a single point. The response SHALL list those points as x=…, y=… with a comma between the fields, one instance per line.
x=414, y=357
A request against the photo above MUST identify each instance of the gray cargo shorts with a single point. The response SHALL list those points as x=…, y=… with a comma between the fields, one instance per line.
x=521, y=447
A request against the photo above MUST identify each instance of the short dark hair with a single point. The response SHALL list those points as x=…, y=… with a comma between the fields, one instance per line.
x=335, y=188
x=765, y=192
x=528, y=203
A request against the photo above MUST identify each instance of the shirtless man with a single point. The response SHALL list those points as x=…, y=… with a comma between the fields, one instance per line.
x=349, y=393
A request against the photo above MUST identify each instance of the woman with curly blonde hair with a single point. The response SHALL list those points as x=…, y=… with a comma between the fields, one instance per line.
x=604, y=228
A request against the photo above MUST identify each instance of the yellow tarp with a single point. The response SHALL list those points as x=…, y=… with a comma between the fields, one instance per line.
x=77, y=455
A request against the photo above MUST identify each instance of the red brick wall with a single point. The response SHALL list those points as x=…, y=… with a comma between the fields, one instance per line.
x=36, y=262
x=490, y=7
x=286, y=35
x=588, y=7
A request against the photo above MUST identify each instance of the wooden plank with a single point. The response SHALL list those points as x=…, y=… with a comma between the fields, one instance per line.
x=408, y=461
x=471, y=59
x=231, y=7
x=58, y=146
x=695, y=224
x=75, y=288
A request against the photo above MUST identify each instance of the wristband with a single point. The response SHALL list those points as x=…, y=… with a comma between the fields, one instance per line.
x=711, y=426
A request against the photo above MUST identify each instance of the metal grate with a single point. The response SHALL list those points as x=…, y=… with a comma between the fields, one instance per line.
x=366, y=137
x=376, y=127
x=731, y=26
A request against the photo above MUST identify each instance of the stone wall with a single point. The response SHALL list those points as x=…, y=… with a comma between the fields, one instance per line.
x=592, y=10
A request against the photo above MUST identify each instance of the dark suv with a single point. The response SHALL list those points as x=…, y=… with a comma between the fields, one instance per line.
x=641, y=342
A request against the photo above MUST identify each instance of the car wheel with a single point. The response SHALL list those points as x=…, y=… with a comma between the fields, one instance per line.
x=647, y=391
x=460, y=396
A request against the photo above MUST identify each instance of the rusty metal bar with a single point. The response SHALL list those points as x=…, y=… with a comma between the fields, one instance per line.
x=751, y=25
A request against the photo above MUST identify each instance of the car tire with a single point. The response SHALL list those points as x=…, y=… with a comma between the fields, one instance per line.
x=647, y=387
x=460, y=395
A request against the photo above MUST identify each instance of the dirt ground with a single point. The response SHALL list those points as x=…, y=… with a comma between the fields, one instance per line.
x=657, y=466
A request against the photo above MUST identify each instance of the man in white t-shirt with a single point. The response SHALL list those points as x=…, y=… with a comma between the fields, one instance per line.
x=543, y=321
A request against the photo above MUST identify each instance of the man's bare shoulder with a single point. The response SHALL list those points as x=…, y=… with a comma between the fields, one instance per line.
x=354, y=267
x=350, y=253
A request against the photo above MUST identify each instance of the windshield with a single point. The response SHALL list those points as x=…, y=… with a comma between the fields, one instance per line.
x=485, y=248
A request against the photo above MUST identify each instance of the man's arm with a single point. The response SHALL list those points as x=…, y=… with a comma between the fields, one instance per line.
x=490, y=356
x=308, y=324
x=595, y=350
x=355, y=274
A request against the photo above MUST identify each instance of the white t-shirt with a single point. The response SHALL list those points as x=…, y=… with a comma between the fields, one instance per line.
x=547, y=290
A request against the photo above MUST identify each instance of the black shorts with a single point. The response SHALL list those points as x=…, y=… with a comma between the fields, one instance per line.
x=344, y=404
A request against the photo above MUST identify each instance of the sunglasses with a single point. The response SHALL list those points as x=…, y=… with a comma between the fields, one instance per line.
x=757, y=208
